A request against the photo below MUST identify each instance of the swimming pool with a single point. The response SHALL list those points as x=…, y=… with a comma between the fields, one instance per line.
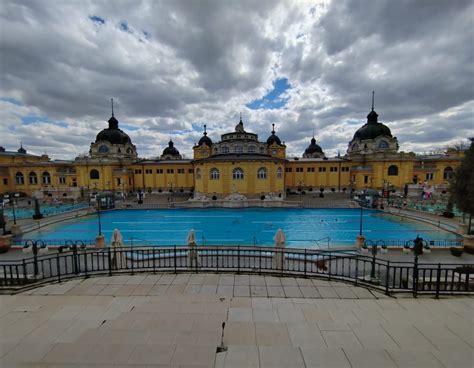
x=248, y=226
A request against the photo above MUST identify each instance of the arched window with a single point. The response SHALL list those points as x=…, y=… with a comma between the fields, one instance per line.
x=355, y=147
x=129, y=150
x=251, y=149
x=262, y=173
x=103, y=149
x=46, y=178
x=225, y=149
x=238, y=174
x=214, y=174
x=94, y=174
x=19, y=178
x=33, y=178
x=262, y=149
x=383, y=144
x=279, y=173
x=392, y=170
x=448, y=173
x=198, y=174
x=239, y=149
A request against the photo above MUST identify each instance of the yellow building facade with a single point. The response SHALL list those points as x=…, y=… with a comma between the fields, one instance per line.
x=238, y=163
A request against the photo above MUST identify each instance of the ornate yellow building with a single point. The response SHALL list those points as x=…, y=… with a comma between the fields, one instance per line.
x=238, y=163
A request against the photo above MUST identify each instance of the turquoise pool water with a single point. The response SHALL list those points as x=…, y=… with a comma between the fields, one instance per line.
x=241, y=227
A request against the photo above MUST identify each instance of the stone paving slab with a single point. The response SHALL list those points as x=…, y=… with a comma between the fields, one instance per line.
x=176, y=321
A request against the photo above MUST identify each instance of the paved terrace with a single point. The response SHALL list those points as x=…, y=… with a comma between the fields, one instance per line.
x=175, y=321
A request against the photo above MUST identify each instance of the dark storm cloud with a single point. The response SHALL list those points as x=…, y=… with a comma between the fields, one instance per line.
x=170, y=64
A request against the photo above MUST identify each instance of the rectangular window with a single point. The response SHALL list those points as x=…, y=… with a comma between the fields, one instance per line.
x=170, y=171
x=322, y=169
x=429, y=176
x=119, y=181
x=366, y=179
x=62, y=180
x=138, y=171
x=180, y=171
x=345, y=169
x=5, y=181
x=299, y=169
x=333, y=169
x=159, y=171
x=191, y=171
x=310, y=169
x=148, y=171
x=288, y=169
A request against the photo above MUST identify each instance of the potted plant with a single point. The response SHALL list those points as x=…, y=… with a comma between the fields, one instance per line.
x=384, y=249
x=426, y=249
x=406, y=248
x=456, y=251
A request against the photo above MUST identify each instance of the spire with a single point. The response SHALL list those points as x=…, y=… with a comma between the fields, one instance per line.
x=205, y=133
x=240, y=117
x=372, y=117
x=313, y=132
x=273, y=128
x=112, y=103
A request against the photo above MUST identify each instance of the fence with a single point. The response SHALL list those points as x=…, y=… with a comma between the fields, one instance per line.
x=386, y=276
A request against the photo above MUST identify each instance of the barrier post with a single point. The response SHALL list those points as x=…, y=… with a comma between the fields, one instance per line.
x=438, y=281
x=109, y=257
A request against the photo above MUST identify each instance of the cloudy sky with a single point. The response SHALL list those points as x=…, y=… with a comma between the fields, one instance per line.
x=172, y=66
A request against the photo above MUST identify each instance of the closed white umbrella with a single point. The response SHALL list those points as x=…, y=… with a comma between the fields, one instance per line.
x=119, y=259
x=192, y=253
x=279, y=256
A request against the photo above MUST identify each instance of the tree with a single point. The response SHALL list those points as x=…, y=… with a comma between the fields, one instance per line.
x=462, y=186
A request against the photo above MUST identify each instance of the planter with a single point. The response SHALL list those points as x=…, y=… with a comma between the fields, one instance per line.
x=406, y=250
x=384, y=250
x=469, y=248
x=427, y=250
x=44, y=250
x=364, y=250
x=27, y=250
x=456, y=251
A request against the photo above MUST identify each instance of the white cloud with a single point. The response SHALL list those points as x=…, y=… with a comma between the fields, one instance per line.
x=203, y=61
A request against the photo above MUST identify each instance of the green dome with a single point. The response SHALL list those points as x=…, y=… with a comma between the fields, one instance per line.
x=372, y=129
x=113, y=134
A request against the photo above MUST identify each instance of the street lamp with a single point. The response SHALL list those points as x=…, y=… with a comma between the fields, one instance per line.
x=98, y=216
x=12, y=201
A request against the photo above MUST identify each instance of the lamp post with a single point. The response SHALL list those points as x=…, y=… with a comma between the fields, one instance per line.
x=99, y=239
x=360, y=239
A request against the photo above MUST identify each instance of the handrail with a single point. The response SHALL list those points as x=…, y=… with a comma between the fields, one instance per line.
x=348, y=266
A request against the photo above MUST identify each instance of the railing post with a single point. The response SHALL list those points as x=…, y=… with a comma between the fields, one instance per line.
x=154, y=261
x=175, y=260
x=415, y=277
x=109, y=257
x=74, y=259
x=305, y=260
x=58, y=267
x=238, y=259
x=85, y=263
x=356, y=270
x=25, y=276
x=387, y=278
x=131, y=261
x=438, y=281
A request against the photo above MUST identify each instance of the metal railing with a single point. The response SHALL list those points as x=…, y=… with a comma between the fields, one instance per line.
x=382, y=275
